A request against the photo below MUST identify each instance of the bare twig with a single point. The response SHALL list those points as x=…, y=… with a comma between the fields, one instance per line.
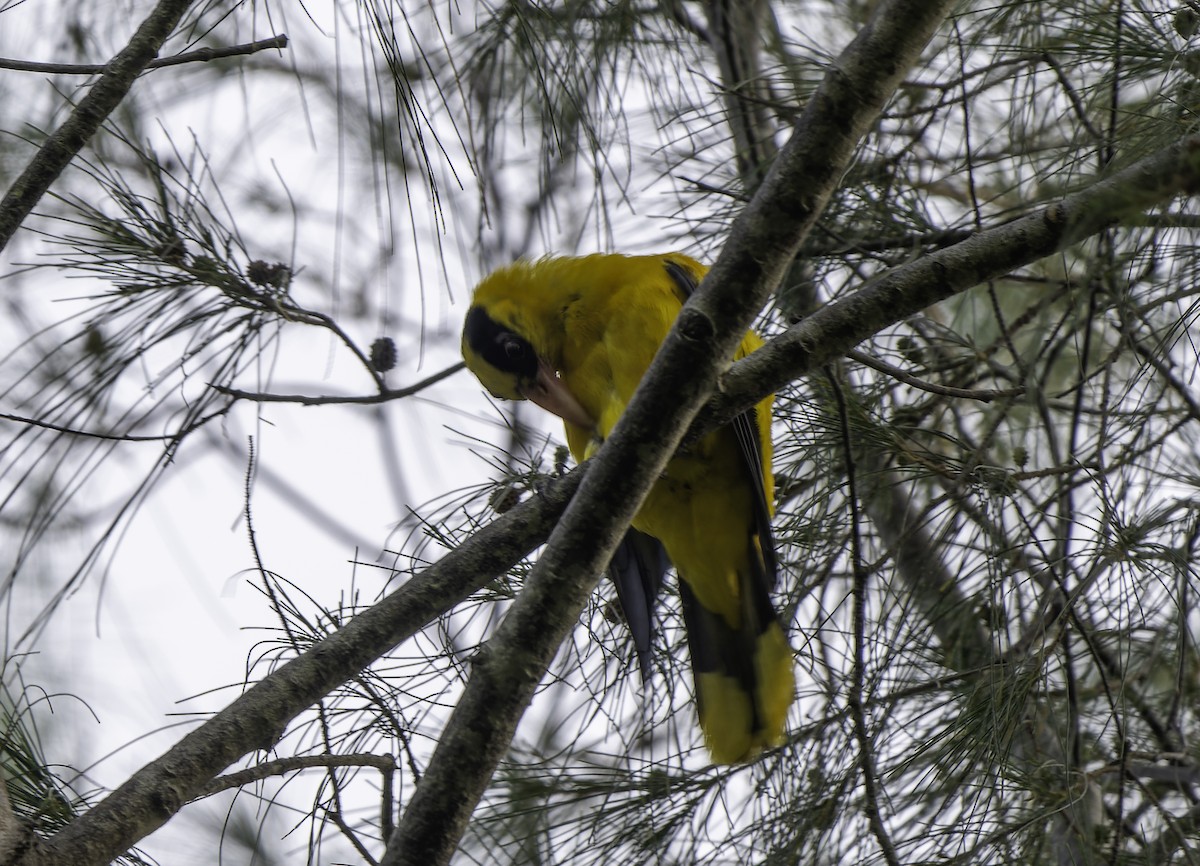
x=984, y=396
x=115, y=437
x=200, y=55
x=348, y=831
x=382, y=396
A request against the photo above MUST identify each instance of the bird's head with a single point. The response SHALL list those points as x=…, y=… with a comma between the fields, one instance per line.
x=499, y=348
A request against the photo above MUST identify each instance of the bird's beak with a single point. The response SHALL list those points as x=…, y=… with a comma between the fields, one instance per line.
x=549, y=392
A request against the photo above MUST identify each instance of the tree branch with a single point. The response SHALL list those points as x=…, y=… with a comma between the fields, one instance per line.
x=836, y=328
x=257, y=719
x=762, y=244
x=101, y=100
x=16, y=839
x=735, y=34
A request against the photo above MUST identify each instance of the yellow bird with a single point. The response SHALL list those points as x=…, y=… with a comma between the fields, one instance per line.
x=575, y=336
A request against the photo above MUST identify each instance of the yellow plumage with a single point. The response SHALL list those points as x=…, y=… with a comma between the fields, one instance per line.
x=576, y=335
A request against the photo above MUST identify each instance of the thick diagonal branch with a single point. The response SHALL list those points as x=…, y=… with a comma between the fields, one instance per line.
x=761, y=246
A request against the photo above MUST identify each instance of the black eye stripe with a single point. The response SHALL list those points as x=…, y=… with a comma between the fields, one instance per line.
x=498, y=346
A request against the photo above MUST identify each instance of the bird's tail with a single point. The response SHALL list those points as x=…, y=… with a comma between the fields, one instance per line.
x=744, y=677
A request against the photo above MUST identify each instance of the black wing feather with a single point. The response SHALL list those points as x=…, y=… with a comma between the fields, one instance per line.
x=637, y=569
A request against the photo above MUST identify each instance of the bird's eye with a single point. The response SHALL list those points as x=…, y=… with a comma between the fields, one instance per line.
x=496, y=344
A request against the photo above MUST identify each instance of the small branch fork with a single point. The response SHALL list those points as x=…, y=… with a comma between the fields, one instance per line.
x=383, y=763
